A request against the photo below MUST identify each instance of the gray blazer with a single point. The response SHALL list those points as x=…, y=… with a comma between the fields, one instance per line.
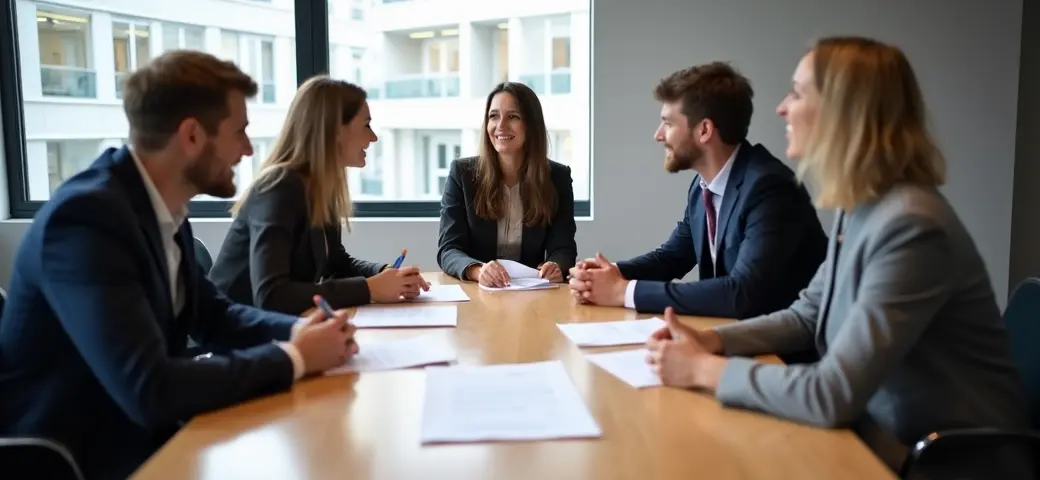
x=909, y=333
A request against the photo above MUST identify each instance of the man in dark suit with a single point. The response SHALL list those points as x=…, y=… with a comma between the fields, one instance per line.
x=106, y=289
x=748, y=224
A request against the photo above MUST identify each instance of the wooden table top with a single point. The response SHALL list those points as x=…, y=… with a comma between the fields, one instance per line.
x=368, y=425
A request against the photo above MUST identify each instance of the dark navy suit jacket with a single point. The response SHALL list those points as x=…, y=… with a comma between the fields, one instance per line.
x=91, y=353
x=770, y=244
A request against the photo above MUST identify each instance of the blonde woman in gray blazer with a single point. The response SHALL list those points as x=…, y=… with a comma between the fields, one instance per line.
x=902, y=311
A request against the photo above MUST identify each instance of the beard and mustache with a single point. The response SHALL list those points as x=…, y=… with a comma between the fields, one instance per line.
x=207, y=174
x=682, y=157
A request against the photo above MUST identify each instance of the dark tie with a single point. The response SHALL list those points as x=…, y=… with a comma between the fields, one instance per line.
x=709, y=213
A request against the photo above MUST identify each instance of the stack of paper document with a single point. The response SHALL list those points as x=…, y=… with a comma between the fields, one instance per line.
x=442, y=293
x=628, y=365
x=603, y=334
x=372, y=316
x=410, y=352
x=531, y=401
x=521, y=277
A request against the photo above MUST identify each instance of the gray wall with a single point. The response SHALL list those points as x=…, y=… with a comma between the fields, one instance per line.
x=966, y=57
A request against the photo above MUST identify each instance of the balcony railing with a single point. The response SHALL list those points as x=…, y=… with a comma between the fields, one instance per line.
x=423, y=86
x=558, y=81
x=65, y=81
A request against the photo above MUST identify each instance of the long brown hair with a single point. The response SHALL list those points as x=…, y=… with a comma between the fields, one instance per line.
x=307, y=146
x=536, y=187
x=871, y=128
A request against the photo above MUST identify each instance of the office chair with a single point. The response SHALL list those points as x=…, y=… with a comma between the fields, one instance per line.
x=983, y=453
x=202, y=255
x=31, y=458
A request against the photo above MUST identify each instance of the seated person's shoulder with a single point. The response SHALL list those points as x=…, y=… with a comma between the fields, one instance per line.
x=465, y=165
x=91, y=197
x=285, y=191
x=559, y=170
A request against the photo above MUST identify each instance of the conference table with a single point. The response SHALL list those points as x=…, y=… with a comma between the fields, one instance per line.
x=367, y=426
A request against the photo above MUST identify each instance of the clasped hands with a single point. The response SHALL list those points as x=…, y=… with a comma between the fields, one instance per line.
x=685, y=357
x=493, y=274
x=597, y=281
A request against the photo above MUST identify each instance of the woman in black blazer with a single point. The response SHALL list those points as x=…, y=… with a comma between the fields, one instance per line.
x=284, y=245
x=510, y=202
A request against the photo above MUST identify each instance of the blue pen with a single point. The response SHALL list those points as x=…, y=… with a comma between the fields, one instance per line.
x=400, y=259
x=324, y=305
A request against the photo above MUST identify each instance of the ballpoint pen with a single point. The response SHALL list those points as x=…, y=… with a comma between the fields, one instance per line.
x=400, y=259
x=324, y=305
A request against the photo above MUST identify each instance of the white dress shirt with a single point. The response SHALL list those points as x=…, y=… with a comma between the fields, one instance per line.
x=717, y=187
x=511, y=225
x=169, y=224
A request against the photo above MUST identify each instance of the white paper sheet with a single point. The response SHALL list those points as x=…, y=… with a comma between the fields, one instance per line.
x=394, y=354
x=521, y=277
x=628, y=365
x=528, y=401
x=517, y=269
x=604, y=334
x=523, y=284
x=443, y=293
x=372, y=316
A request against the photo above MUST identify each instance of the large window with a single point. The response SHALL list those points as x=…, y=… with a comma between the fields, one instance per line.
x=427, y=86
x=426, y=83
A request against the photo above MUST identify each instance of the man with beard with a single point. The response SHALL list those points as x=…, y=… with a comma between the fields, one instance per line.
x=748, y=224
x=106, y=289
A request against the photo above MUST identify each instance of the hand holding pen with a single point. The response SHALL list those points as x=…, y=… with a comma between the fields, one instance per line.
x=396, y=283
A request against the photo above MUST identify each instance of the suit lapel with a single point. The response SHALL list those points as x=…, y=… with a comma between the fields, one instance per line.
x=834, y=243
x=126, y=170
x=731, y=197
x=531, y=240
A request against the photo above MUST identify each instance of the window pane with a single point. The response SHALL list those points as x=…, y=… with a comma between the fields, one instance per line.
x=411, y=69
x=80, y=53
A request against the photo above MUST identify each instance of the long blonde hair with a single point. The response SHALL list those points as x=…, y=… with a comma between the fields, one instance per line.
x=307, y=146
x=871, y=129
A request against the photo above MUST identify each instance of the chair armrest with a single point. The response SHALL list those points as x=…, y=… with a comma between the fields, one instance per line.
x=27, y=451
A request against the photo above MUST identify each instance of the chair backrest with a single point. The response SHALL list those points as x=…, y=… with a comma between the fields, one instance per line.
x=29, y=457
x=974, y=454
x=1022, y=318
x=202, y=255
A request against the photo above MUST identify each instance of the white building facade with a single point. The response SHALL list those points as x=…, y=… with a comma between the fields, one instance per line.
x=428, y=66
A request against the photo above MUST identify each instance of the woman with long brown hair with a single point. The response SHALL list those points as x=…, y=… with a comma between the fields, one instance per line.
x=284, y=245
x=510, y=202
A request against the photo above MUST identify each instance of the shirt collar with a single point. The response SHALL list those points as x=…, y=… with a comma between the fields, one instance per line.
x=162, y=213
x=718, y=184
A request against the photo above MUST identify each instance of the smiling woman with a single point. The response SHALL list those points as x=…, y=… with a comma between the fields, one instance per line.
x=284, y=245
x=510, y=202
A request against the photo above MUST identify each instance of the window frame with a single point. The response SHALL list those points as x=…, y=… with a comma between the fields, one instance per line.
x=312, y=58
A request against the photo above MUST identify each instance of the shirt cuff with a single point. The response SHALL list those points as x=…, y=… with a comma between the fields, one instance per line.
x=630, y=294
x=297, y=359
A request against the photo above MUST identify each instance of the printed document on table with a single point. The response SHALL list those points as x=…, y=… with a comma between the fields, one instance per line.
x=527, y=401
x=628, y=365
x=604, y=334
x=442, y=293
x=372, y=316
x=394, y=354
x=521, y=277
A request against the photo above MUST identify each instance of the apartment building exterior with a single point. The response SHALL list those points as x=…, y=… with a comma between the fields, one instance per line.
x=427, y=65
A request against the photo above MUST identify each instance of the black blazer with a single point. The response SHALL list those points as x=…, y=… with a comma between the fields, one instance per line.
x=274, y=259
x=770, y=244
x=91, y=353
x=466, y=239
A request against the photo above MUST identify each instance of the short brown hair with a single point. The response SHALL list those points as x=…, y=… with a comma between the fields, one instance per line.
x=713, y=91
x=178, y=85
x=871, y=128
